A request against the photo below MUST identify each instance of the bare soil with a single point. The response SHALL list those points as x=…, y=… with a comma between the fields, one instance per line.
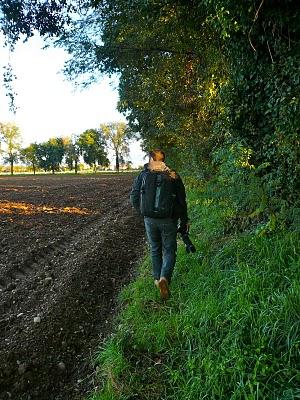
x=67, y=246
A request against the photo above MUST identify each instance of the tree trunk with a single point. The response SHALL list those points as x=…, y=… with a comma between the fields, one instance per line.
x=52, y=169
x=11, y=166
x=76, y=166
x=117, y=161
x=33, y=167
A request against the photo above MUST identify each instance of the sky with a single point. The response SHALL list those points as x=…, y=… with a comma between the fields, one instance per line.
x=48, y=105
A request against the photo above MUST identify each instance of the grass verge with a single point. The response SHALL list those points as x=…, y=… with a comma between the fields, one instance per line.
x=231, y=329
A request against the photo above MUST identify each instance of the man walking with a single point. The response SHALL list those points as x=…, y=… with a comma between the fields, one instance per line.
x=158, y=194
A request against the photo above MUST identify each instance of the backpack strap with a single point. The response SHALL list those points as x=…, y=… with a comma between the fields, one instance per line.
x=157, y=192
x=142, y=189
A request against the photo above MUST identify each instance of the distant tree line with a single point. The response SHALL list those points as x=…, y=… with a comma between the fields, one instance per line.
x=92, y=145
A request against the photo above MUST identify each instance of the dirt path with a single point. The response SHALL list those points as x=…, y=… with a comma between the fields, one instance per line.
x=67, y=246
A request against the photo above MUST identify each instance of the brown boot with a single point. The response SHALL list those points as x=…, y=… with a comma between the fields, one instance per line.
x=164, y=288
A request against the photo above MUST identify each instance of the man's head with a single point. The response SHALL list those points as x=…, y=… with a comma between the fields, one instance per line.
x=157, y=155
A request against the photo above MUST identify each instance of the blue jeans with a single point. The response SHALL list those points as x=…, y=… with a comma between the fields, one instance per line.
x=162, y=235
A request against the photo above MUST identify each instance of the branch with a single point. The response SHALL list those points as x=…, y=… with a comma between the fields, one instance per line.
x=255, y=18
x=270, y=52
x=258, y=10
x=148, y=50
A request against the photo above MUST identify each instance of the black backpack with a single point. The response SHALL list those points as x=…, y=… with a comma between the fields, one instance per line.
x=158, y=194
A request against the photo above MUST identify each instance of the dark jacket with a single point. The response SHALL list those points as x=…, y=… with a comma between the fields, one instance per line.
x=180, y=208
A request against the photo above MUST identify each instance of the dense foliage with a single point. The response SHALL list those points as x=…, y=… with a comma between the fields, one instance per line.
x=91, y=145
x=216, y=83
x=50, y=154
x=22, y=18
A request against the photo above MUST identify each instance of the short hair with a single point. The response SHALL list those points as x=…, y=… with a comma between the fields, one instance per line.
x=158, y=155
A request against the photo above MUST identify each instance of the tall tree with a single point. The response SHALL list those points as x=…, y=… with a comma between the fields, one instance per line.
x=50, y=154
x=11, y=137
x=117, y=135
x=203, y=77
x=72, y=152
x=29, y=156
x=162, y=52
x=92, y=147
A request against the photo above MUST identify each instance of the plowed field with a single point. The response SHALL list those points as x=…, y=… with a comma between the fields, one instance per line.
x=67, y=246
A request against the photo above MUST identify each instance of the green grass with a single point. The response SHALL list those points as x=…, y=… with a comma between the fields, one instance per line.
x=231, y=329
